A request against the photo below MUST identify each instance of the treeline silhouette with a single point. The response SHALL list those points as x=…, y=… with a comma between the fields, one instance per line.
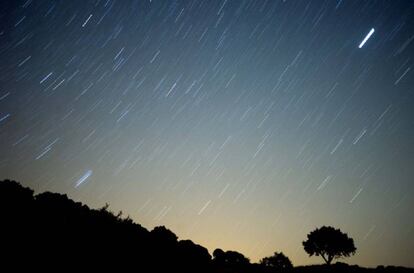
x=49, y=230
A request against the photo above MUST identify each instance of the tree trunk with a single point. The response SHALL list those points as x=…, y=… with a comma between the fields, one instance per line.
x=326, y=260
x=330, y=258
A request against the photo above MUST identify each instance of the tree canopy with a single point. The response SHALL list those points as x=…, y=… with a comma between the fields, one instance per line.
x=278, y=261
x=329, y=243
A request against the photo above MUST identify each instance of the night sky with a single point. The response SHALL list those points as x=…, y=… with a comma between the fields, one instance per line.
x=240, y=125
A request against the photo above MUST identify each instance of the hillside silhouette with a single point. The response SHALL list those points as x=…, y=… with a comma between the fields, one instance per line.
x=49, y=230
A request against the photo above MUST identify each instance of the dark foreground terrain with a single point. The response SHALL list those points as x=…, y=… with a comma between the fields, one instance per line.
x=51, y=231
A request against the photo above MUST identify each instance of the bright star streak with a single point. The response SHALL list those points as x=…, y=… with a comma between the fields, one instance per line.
x=366, y=38
x=83, y=178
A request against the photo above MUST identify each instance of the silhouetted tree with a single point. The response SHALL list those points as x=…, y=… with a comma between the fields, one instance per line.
x=218, y=256
x=231, y=261
x=235, y=257
x=164, y=234
x=194, y=258
x=278, y=262
x=329, y=243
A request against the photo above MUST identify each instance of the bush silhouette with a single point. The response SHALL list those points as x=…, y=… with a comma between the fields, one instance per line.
x=230, y=258
x=193, y=256
x=231, y=261
x=278, y=262
x=164, y=235
x=329, y=243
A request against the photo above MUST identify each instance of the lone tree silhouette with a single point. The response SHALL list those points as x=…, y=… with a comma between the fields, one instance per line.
x=330, y=243
x=278, y=262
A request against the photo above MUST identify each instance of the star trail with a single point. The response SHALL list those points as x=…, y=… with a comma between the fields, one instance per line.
x=366, y=38
x=240, y=125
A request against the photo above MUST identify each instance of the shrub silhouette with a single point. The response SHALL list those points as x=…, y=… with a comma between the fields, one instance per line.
x=329, y=243
x=230, y=258
x=219, y=256
x=164, y=235
x=193, y=256
x=278, y=262
x=231, y=261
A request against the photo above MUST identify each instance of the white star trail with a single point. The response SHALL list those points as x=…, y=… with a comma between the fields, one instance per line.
x=366, y=38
